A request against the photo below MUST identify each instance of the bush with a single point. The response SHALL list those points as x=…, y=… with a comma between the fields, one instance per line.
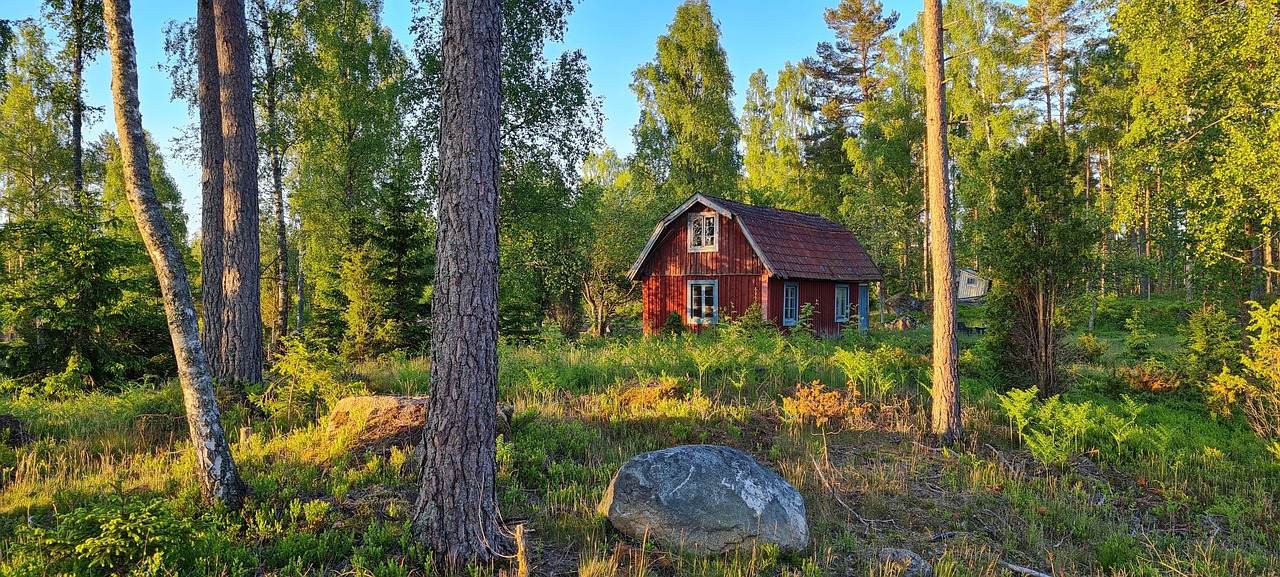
x=310, y=379
x=1087, y=348
x=117, y=537
x=1152, y=376
x=812, y=404
x=1212, y=340
x=674, y=324
x=1262, y=365
x=1138, y=343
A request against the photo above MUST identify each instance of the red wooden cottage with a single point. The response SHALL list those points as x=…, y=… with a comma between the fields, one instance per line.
x=713, y=257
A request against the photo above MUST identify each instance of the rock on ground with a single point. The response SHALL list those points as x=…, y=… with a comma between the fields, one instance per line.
x=705, y=498
x=903, y=323
x=12, y=433
x=908, y=562
x=381, y=421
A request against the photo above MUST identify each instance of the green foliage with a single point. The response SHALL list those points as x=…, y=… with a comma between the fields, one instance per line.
x=674, y=324
x=117, y=536
x=687, y=124
x=1262, y=365
x=309, y=380
x=1212, y=341
x=1089, y=348
x=76, y=306
x=1054, y=429
x=1138, y=343
x=1036, y=243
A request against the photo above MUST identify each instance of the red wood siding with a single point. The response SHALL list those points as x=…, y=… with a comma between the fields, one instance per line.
x=670, y=266
x=822, y=295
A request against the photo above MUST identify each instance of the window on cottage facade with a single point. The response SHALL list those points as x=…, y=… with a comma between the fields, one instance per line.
x=703, y=232
x=842, y=303
x=790, y=304
x=703, y=302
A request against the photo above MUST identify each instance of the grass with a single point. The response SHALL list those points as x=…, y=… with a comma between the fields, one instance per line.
x=1181, y=492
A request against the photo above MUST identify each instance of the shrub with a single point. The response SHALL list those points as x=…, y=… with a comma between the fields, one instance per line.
x=1088, y=348
x=751, y=323
x=1222, y=392
x=116, y=537
x=811, y=403
x=1262, y=364
x=309, y=380
x=1212, y=340
x=1152, y=376
x=1138, y=343
x=674, y=324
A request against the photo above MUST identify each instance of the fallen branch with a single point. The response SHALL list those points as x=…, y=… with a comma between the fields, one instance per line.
x=866, y=522
x=947, y=535
x=1023, y=570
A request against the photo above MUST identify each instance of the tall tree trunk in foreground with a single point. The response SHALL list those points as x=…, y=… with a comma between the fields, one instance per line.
x=946, y=373
x=456, y=513
x=242, y=277
x=212, y=233
x=215, y=469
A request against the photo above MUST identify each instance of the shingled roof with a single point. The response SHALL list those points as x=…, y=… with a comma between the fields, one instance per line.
x=792, y=245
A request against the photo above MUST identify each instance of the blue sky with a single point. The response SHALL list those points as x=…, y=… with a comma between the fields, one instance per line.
x=617, y=36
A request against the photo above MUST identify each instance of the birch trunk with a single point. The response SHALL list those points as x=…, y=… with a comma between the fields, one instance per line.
x=456, y=513
x=242, y=278
x=946, y=374
x=215, y=469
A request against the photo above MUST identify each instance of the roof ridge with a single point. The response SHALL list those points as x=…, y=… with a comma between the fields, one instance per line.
x=770, y=208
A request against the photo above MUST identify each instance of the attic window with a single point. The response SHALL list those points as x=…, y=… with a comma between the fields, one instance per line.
x=703, y=232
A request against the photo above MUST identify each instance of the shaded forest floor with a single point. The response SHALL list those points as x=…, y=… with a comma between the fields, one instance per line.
x=1105, y=479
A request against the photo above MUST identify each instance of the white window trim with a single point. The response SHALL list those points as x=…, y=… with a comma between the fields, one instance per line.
x=794, y=319
x=715, y=302
x=712, y=218
x=842, y=313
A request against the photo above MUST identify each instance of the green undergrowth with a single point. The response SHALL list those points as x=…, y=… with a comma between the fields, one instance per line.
x=1103, y=479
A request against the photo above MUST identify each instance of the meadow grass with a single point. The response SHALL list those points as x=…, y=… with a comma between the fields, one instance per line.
x=1103, y=480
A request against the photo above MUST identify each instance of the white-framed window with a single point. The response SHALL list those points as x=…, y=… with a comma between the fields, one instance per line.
x=842, y=303
x=704, y=232
x=704, y=302
x=971, y=281
x=790, y=304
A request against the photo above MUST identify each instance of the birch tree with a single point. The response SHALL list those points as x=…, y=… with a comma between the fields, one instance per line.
x=215, y=469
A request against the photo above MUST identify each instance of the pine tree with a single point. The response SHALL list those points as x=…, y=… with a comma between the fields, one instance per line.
x=456, y=513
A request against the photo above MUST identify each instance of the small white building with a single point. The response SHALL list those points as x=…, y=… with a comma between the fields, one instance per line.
x=971, y=286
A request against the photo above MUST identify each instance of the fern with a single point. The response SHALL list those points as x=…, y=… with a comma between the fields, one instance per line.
x=1019, y=405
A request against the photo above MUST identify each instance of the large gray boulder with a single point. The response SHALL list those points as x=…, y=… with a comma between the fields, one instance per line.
x=705, y=498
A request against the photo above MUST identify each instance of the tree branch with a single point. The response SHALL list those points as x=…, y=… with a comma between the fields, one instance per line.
x=1241, y=260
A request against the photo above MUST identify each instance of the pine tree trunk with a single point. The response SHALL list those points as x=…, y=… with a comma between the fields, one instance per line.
x=77, y=103
x=212, y=233
x=241, y=276
x=215, y=469
x=456, y=513
x=946, y=374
